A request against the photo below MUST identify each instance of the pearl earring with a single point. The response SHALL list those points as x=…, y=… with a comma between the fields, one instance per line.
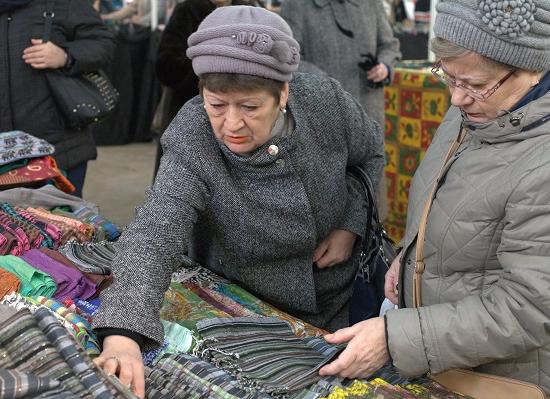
x=283, y=110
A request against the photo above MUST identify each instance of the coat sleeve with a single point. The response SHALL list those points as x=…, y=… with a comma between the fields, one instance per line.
x=174, y=68
x=89, y=41
x=153, y=245
x=507, y=320
x=365, y=146
x=387, y=46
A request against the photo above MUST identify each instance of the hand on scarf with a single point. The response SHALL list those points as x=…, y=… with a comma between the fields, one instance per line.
x=44, y=55
x=378, y=72
x=365, y=353
x=334, y=249
x=122, y=356
x=392, y=278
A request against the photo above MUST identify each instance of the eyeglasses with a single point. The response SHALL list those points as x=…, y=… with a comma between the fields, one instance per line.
x=440, y=74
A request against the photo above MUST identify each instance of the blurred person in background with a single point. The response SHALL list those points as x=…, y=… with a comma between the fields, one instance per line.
x=79, y=43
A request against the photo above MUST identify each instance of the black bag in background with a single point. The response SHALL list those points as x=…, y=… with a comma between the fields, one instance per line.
x=376, y=255
x=83, y=99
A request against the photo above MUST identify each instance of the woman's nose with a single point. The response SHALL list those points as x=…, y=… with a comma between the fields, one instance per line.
x=459, y=97
x=233, y=119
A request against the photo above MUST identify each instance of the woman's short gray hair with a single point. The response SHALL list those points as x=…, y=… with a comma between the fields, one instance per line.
x=443, y=49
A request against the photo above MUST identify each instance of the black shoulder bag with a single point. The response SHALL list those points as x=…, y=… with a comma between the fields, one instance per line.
x=375, y=257
x=83, y=99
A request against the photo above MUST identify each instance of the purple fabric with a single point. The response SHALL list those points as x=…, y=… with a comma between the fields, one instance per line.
x=245, y=40
x=71, y=283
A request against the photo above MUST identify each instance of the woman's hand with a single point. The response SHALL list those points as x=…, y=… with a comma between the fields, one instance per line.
x=44, y=55
x=366, y=351
x=378, y=72
x=121, y=356
x=392, y=279
x=334, y=249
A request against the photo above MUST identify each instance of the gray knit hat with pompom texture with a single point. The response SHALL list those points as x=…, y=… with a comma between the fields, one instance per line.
x=514, y=32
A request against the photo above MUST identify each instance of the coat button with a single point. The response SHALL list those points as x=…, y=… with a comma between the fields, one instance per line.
x=272, y=149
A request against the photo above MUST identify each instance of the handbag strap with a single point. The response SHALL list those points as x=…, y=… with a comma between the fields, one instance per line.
x=48, y=15
x=419, y=265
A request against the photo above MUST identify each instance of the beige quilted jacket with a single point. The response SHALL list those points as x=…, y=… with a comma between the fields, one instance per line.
x=486, y=288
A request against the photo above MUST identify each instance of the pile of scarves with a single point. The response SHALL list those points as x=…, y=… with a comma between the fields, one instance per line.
x=44, y=272
x=24, y=228
x=26, y=161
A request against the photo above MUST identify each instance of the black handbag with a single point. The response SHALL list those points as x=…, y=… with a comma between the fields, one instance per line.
x=83, y=99
x=376, y=254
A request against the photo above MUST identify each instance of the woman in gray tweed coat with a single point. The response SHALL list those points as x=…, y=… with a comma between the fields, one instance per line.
x=252, y=184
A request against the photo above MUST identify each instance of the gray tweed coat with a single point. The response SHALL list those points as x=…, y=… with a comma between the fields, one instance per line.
x=254, y=219
x=334, y=34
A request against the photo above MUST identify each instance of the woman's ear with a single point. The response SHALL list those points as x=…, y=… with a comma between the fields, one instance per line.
x=283, y=97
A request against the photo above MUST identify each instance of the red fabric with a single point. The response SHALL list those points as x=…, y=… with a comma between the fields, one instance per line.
x=37, y=171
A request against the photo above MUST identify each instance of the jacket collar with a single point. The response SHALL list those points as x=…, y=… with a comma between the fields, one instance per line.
x=531, y=120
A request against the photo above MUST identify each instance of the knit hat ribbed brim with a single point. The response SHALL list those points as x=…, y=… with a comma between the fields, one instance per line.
x=514, y=32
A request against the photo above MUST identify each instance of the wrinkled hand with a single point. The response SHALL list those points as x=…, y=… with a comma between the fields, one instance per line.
x=366, y=351
x=44, y=55
x=391, y=281
x=334, y=249
x=378, y=72
x=121, y=356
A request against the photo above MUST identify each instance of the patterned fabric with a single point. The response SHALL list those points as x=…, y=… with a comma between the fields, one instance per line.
x=21, y=243
x=83, y=231
x=16, y=145
x=52, y=234
x=89, y=216
x=33, y=282
x=33, y=234
x=415, y=104
x=8, y=283
x=264, y=353
x=36, y=347
x=186, y=376
x=36, y=172
x=203, y=294
x=78, y=325
x=91, y=258
x=71, y=283
x=15, y=384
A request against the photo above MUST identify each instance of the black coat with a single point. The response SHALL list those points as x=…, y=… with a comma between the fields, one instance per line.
x=25, y=100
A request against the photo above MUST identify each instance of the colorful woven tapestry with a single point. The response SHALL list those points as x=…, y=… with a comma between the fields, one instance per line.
x=415, y=104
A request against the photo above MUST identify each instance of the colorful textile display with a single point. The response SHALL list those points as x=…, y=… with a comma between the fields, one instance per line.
x=264, y=353
x=71, y=283
x=101, y=281
x=17, y=145
x=37, y=171
x=196, y=293
x=87, y=215
x=33, y=282
x=415, y=104
x=90, y=257
x=37, y=350
x=82, y=231
x=8, y=283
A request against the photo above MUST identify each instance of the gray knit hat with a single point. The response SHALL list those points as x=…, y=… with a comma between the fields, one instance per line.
x=247, y=40
x=514, y=32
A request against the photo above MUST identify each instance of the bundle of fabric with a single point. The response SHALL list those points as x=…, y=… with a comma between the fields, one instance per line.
x=26, y=161
x=90, y=257
x=196, y=293
x=40, y=359
x=264, y=353
x=24, y=228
